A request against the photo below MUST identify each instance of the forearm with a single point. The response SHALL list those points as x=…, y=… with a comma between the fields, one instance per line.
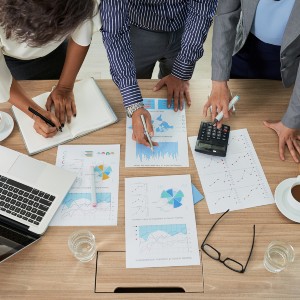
x=19, y=99
x=197, y=24
x=291, y=118
x=73, y=62
x=224, y=34
x=115, y=33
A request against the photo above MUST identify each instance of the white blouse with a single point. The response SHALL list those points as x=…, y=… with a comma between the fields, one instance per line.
x=82, y=35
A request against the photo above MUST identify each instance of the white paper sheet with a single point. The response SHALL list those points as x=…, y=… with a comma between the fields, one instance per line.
x=77, y=208
x=169, y=131
x=160, y=222
x=236, y=181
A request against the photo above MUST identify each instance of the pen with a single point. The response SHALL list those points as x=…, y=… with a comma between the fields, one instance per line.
x=93, y=188
x=146, y=132
x=49, y=122
x=220, y=115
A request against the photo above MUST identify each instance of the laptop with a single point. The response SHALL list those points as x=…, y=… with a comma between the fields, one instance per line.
x=30, y=193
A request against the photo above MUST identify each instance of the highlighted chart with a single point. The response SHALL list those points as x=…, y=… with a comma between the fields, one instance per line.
x=173, y=198
x=103, y=171
x=169, y=128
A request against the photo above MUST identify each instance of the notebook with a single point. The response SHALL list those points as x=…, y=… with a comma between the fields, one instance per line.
x=93, y=113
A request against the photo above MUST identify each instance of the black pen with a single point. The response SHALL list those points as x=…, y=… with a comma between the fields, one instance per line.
x=49, y=122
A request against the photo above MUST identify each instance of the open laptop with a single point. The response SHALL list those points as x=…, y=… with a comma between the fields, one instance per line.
x=30, y=193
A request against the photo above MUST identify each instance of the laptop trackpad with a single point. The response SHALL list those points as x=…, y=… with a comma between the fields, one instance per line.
x=27, y=169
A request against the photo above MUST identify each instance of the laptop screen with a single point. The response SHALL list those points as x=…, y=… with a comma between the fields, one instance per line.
x=12, y=241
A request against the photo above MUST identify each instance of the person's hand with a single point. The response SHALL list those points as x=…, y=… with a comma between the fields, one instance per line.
x=287, y=136
x=218, y=100
x=138, y=134
x=64, y=104
x=177, y=89
x=42, y=128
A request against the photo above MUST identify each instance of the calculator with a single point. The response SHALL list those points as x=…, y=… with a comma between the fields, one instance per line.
x=212, y=140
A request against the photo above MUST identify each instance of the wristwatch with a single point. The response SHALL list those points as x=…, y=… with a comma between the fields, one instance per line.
x=132, y=108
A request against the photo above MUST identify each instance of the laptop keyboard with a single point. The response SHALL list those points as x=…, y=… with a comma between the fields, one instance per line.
x=23, y=201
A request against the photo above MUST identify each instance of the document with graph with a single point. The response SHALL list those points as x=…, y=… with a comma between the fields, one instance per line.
x=170, y=133
x=90, y=162
x=160, y=222
x=236, y=181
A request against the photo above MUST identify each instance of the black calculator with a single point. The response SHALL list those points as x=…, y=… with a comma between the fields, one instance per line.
x=212, y=140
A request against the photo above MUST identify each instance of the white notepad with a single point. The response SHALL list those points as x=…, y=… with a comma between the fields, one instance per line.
x=93, y=113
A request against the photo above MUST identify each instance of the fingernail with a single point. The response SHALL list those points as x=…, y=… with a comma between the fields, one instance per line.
x=60, y=129
x=62, y=125
x=74, y=115
x=154, y=89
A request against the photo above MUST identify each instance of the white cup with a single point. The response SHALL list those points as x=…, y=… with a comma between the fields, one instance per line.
x=293, y=197
x=2, y=121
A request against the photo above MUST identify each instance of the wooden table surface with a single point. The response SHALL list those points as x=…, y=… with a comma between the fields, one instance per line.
x=48, y=270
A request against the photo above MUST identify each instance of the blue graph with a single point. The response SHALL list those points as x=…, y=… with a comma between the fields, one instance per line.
x=170, y=229
x=73, y=197
x=162, y=126
x=163, y=150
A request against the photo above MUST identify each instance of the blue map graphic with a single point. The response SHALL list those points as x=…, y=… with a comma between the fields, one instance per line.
x=163, y=150
x=162, y=125
x=171, y=229
x=173, y=198
x=73, y=197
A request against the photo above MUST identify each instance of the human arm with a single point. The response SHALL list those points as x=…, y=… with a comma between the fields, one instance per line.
x=116, y=39
x=62, y=96
x=199, y=19
x=224, y=34
x=288, y=129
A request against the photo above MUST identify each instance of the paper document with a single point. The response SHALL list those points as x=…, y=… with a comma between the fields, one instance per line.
x=87, y=204
x=93, y=112
x=236, y=181
x=160, y=222
x=169, y=131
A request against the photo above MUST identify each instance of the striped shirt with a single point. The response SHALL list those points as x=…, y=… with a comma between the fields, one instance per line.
x=156, y=15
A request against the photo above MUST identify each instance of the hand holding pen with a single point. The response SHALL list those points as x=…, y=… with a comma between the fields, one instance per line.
x=219, y=100
x=45, y=123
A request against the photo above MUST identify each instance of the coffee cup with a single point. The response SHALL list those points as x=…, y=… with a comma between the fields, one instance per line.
x=293, y=197
x=2, y=121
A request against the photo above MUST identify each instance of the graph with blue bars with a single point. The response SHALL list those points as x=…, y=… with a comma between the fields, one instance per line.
x=162, y=151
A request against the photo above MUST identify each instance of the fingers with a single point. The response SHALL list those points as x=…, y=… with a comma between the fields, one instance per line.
x=188, y=98
x=205, y=108
x=181, y=97
x=281, y=149
x=43, y=129
x=291, y=148
x=62, y=112
x=69, y=111
x=49, y=103
x=159, y=85
x=74, y=108
x=169, y=98
x=149, y=125
x=176, y=99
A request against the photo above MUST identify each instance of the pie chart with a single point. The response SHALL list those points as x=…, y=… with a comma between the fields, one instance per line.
x=103, y=171
x=174, y=198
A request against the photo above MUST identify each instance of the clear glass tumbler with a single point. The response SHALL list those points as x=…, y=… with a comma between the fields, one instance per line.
x=83, y=245
x=278, y=256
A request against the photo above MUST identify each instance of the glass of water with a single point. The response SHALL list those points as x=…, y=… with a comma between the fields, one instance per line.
x=278, y=255
x=83, y=245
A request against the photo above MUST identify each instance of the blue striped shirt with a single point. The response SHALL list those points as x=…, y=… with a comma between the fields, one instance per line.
x=156, y=15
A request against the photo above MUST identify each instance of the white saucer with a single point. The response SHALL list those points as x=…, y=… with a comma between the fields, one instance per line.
x=8, y=127
x=280, y=196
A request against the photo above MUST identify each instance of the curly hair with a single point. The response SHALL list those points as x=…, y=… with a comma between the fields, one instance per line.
x=38, y=22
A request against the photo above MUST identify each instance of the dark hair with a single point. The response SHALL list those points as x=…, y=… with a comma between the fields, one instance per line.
x=37, y=22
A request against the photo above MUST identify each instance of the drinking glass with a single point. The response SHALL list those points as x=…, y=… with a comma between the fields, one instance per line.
x=83, y=245
x=278, y=256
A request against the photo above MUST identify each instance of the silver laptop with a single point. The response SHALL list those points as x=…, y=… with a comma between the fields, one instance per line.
x=30, y=193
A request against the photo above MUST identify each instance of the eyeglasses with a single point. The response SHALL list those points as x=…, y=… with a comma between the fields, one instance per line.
x=216, y=255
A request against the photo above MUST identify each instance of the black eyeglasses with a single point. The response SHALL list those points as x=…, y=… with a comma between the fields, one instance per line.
x=216, y=255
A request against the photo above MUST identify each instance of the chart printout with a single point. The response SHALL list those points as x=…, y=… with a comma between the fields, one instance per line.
x=169, y=129
x=236, y=181
x=160, y=222
x=78, y=208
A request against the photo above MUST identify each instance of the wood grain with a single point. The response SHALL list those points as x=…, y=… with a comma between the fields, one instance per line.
x=47, y=270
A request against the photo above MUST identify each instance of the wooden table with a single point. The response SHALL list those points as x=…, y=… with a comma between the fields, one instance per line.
x=47, y=269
